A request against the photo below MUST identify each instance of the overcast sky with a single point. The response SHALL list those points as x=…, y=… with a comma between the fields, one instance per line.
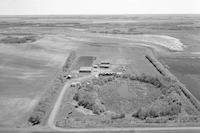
x=37, y=7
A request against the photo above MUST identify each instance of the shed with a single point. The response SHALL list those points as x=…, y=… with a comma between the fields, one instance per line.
x=104, y=66
x=95, y=66
x=85, y=69
x=107, y=73
x=105, y=62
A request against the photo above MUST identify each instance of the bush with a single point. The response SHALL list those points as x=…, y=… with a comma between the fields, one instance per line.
x=189, y=119
x=89, y=86
x=125, y=76
x=96, y=109
x=88, y=99
x=36, y=118
x=118, y=116
x=169, y=106
x=156, y=120
x=110, y=79
x=96, y=81
x=60, y=123
x=132, y=77
x=174, y=87
x=42, y=109
x=141, y=114
x=76, y=97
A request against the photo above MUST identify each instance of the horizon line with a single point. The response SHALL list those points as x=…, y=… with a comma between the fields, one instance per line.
x=99, y=14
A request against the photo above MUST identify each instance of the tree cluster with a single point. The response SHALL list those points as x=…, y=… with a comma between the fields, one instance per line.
x=164, y=106
x=87, y=98
x=69, y=61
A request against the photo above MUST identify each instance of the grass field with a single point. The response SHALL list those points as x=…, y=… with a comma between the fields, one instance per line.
x=26, y=70
x=124, y=96
x=34, y=49
x=187, y=70
x=83, y=61
x=126, y=101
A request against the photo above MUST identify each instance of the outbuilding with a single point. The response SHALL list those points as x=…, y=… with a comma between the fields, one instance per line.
x=75, y=84
x=105, y=62
x=107, y=73
x=85, y=70
x=95, y=66
x=104, y=65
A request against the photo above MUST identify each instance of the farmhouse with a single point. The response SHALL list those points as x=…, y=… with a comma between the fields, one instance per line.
x=85, y=70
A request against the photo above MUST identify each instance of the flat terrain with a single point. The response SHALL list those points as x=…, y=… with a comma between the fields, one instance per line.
x=122, y=98
x=24, y=73
x=33, y=50
x=187, y=70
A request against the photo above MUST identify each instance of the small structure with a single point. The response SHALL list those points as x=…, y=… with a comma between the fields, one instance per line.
x=119, y=73
x=105, y=62
x=75, y=84
x=104, y=65
x=117, y=116
x=107, y=73
x=95, y=66
x=68, y=76
x=85, y=70
x=60, y=124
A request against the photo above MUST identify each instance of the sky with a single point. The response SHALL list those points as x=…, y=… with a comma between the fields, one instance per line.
x=67, y=7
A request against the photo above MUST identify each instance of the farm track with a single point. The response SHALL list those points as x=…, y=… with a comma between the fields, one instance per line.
x=56, y=108
x=51, y=120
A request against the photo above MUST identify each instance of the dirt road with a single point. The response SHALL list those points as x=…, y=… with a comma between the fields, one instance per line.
x=56, y=108
x=65, y=89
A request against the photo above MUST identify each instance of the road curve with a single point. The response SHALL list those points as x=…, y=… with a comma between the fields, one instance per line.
x=56, y=108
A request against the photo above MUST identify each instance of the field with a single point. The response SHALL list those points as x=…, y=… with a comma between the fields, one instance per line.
x=37, y=53
x=124, y=100
x=187, y=70
x=83, y=61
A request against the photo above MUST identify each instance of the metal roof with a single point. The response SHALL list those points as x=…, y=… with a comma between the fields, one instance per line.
x=85, y=69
